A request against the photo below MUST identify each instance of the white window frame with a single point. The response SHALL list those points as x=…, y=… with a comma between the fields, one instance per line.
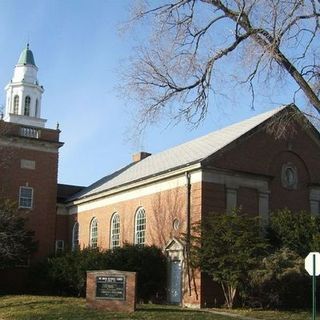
x=23, y=199
x=27, y=104
x=93, y=241
x=115, y=231
x=75, y=236
x=36, y=109
x=16, y=104
x=140, y=227
x=314, y=198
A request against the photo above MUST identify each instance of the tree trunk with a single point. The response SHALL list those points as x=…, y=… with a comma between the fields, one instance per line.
x=229, y=293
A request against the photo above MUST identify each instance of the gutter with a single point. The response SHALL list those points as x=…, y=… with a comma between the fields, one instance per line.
x=136, y=183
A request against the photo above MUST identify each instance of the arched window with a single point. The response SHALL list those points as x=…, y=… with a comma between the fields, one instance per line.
x=140, y=227
x=16, y=104
x=93, y=241
x=36, y=108
x=27, y=102
x=75, y=236
x=115, y=231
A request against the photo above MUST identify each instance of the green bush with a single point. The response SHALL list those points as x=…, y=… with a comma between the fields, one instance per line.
x=226, y=248
x=68, y=271
x=297, y=231
x=280, y=281
x=16, y=242
x=66, y=274
x=150, y=264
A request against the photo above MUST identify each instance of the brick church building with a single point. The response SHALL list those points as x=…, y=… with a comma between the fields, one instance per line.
x=155, y=198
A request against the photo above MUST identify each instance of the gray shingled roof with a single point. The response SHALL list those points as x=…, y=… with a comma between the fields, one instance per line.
x=65, y=191
x=191, y=152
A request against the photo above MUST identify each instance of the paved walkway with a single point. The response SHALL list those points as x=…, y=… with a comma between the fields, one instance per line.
x=231, y=315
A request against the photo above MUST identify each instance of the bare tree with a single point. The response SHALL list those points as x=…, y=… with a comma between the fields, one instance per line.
x=194, y=43
x=16, y=243
x=166, y=207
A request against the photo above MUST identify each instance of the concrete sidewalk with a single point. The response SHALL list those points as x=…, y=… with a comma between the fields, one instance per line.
x=228, y=314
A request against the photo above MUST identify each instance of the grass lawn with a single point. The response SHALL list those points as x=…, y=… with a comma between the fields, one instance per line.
x=59, y=308
x=271, y=315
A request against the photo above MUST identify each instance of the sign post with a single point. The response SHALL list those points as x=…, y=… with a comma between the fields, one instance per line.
x=314, y=308
x=312, y=265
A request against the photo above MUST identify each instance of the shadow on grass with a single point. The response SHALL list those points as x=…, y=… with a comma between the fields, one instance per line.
x=33, y=308
x=163, y=309
x=30, y=303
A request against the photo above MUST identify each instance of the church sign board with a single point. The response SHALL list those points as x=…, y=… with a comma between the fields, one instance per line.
x=111, y=287
x=111, y=290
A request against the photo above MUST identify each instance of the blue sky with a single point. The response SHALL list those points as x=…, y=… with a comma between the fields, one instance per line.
x=79, y=50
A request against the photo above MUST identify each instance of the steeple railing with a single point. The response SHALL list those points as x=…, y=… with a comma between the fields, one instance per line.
x=30, y=132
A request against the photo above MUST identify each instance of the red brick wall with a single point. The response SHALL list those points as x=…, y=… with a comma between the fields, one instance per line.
x=248, y=201
x=214, y=197
x=12, y=129
x=281, y=197
x=161, y=209
x=263, y=155
x=43, y=179
x=258, y=154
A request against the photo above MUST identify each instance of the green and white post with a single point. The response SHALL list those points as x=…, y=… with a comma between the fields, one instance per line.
x=314, y=308
x=312, y=265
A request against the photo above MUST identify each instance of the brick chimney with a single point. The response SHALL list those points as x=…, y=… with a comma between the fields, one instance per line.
x=140, y=156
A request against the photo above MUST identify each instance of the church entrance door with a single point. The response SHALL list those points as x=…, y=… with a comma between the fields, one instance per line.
x=175, y=280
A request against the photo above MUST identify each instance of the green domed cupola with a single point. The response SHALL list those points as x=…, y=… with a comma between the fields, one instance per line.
x=24, y=93
x=26, y=57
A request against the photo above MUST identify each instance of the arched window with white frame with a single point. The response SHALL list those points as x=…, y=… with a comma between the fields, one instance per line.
x=27, y=103
x=93, y=241
x=16, y=104
x=36, y=111
x=75, y=236
x=115, y=231
x=140, y=227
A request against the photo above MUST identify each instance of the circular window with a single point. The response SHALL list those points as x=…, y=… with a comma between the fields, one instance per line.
x=176, y=224
x=290, y=176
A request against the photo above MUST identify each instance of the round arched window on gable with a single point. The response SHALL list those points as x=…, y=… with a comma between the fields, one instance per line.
x=93, y=241
x=289, y=176
x=75, y=236
x=140, y=227
x=176, y=224
x=115, y=231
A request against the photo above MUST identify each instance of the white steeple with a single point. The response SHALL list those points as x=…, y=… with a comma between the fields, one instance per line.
x=23, y=102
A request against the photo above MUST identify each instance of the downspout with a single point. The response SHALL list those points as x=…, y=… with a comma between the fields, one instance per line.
x=188, y=233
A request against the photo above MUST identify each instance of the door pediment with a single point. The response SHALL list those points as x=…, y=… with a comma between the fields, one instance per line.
x=174, y=245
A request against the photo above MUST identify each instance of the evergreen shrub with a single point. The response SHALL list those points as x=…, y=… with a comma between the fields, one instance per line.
x=66, y=274
x=281, y=281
